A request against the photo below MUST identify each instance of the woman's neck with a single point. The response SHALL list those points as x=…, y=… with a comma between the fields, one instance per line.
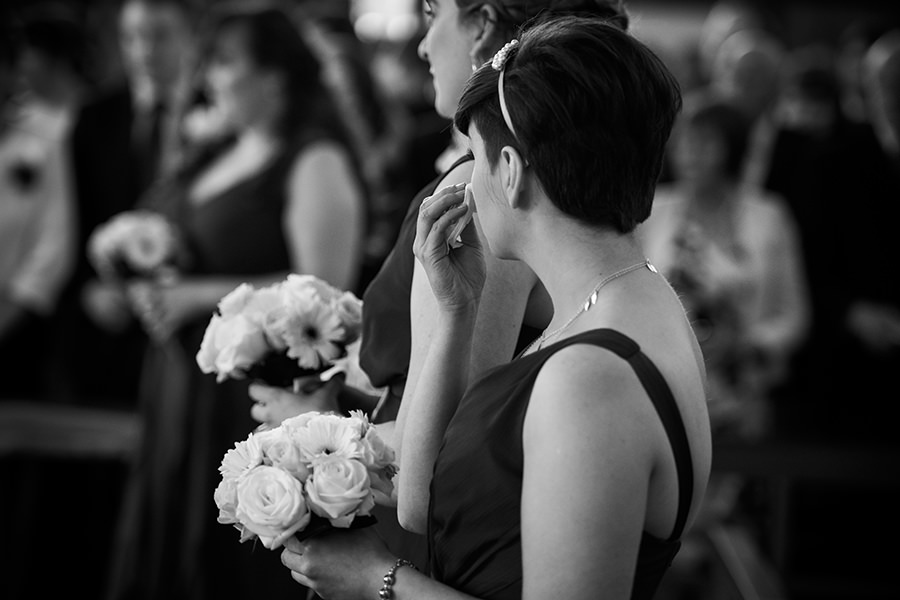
x=571, y=260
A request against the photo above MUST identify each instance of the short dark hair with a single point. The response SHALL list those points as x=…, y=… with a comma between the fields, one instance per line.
x=274, y=41
x=592, y=108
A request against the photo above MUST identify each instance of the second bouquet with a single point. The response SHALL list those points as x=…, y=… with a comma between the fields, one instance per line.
x=314, y=472
x=277, y=334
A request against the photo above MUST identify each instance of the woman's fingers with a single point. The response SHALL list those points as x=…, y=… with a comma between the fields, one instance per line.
x=292, y=558
x=437, y=215
x=294, y=545
x=264, y=393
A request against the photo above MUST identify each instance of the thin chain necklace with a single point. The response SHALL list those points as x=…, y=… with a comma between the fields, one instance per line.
x=589, y=302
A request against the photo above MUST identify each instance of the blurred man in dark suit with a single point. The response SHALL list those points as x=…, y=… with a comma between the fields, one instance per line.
x=122, y=141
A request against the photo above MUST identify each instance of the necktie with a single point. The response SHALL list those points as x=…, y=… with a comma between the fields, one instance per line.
x=149, y=143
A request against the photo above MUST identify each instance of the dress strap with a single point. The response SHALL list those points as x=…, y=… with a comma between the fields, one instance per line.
x=462, y=159
x=666, y=407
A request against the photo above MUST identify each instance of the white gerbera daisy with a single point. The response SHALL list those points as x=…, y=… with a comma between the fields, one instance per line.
x=314, y=336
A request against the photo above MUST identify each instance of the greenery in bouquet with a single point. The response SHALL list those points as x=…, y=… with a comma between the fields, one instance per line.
x=135, y=244
x=313, y=472
x=277, y=334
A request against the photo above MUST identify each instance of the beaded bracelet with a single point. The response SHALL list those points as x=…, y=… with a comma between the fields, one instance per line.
x=387, y=590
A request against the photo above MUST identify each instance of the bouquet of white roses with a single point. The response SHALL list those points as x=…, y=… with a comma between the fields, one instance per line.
x=314, y=471
x=298, y=327
x=136, y=243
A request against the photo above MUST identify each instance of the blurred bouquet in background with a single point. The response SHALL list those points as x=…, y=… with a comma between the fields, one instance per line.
x=277, y=334
x=313, y=472
x=135, y=244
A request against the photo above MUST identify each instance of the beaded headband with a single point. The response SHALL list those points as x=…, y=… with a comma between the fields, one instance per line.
x=498, y=63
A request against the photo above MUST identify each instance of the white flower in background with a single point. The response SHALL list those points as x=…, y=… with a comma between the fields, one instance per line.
x=298, y=327
x=315, y=337
x=137, y=242
x=230, y=346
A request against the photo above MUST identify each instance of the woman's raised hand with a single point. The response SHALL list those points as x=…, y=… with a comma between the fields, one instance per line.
x=456, y=274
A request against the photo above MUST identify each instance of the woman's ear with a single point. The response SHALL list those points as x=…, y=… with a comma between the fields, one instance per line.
x=513, y=176
x=486, y=32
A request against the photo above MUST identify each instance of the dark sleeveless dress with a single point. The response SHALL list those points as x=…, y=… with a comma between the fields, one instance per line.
x=474, y=528
x=386, y=346
x=386, y=338
x=170, y=544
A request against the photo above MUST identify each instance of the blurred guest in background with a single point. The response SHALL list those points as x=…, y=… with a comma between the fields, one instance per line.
x=120, y=141
x=37, y=227
x=820, y=160
x=400, y=314
x=347, y=71
x=733, y=253
x=851, y=45
x=747, y=70
x=873, y=319
x=283, y=194
x=724, y=18
x=419, y=134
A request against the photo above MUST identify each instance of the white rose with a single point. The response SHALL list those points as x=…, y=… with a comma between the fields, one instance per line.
x=376, y=453
x=226, y=499
x=281, y=451
x=299, y=421
x=206, y=356
x=349, y=308
x=271, y=505
x=262, y=303
x=233, y=302
x=151, y=243
x=231, y=346
x=339, y=489
x=302, y=285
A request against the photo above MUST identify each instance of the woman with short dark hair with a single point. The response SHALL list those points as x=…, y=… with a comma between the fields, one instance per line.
x=573, y=470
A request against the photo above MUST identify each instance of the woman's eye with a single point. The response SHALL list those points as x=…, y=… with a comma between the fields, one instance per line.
x=428, y=13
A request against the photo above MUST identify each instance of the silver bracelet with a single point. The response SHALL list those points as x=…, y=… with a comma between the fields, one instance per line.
x=387, y=589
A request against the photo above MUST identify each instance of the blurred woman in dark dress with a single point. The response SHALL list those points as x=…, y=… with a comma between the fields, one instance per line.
x=279, y=194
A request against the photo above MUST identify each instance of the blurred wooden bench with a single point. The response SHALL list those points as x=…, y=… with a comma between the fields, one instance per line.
x=787, y=468
x=67, y=431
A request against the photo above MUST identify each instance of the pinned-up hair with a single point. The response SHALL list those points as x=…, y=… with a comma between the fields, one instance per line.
x=512, y=14
x=592, y=109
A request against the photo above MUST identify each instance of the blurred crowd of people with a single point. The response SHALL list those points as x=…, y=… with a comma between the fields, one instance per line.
x=87, y=136
x=775, y=208
x=297, y=151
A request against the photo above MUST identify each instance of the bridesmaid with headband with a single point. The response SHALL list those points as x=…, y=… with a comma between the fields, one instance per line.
x=573, y=470
x=400, y=315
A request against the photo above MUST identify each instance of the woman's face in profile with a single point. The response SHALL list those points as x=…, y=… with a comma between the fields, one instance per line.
x=446, y=47
x=236, y=84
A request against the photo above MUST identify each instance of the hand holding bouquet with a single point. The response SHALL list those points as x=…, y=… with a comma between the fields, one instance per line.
x=299, y=327
x=314, y=471
x=137, y=243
